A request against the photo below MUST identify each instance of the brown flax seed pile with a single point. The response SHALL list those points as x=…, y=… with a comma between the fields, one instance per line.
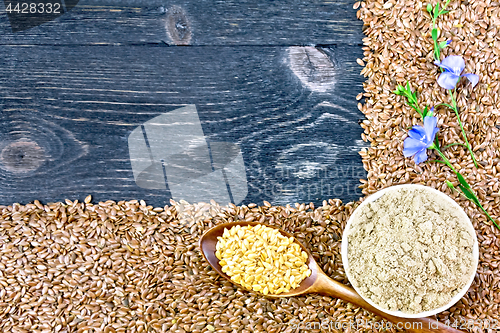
x=398, y=48
x=129, y=267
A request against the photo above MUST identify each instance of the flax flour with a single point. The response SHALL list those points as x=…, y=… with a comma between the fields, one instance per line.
x=410, y=251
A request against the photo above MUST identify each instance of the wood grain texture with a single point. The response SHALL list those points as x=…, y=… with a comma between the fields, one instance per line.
x=74, y=89
x=195, y=22
x=69, y=111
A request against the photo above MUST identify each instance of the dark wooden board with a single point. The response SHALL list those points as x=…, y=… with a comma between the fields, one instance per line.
x=70, y=109
x=195, y=22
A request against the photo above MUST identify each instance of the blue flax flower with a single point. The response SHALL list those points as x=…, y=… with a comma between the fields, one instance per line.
x=453, y=67
x=419, y=139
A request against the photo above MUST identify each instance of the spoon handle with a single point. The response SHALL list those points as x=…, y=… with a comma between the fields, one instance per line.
x=326, y=286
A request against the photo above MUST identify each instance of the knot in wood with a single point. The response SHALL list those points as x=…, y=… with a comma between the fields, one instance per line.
x=178, y=26
x=22, y=156
x=313, y=67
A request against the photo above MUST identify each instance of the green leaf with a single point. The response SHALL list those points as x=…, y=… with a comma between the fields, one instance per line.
x=435, y=33
x=442, y=45
x=429, y=8
x=462, y=181
x=424, y=114
x=468, y=194
x=436, y=10
x=450, y=185
x=443, y=12
x=471, y=196
x=399, y=90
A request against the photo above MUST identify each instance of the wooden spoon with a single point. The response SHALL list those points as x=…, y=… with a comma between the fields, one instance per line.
x=318, y=282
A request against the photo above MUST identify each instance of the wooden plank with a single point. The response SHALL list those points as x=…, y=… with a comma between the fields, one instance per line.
x=195, y=22
x=67, y=113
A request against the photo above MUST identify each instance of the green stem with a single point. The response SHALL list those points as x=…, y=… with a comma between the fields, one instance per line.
x=418, y=110
x=454, y=107
x=437, y=51
x=476, y=201
x=446, y=104
x=491, y=219
x=453, y=144
x=436, y=46
x=446, y=161
x=414, y=104
x=438, y=161
x=436, y=143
